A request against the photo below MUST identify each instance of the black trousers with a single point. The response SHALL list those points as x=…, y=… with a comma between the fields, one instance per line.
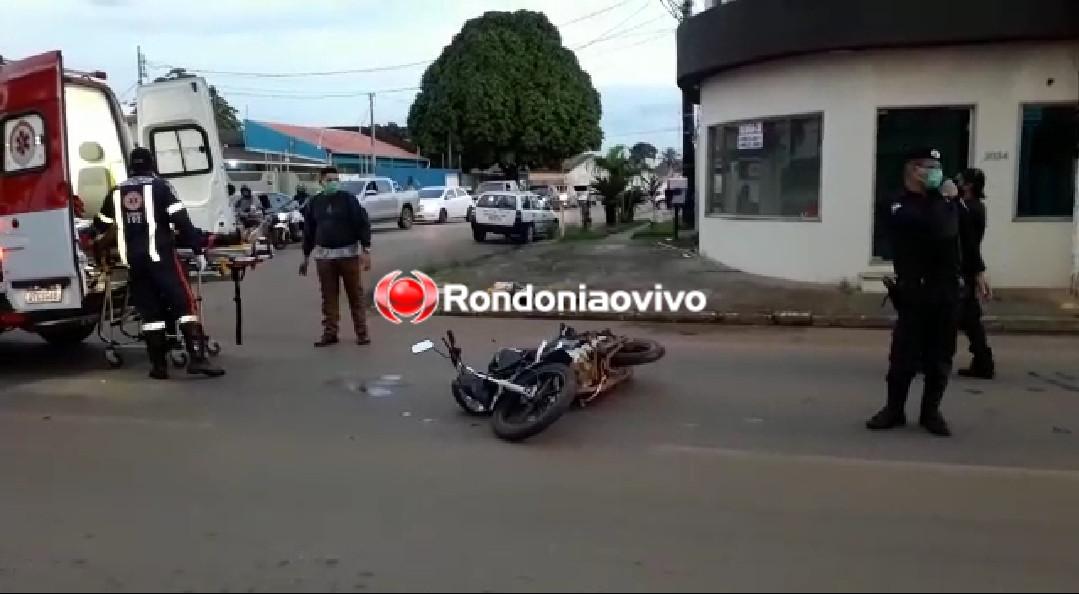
x=160, y=292
x=970, y=322
x=923, y=339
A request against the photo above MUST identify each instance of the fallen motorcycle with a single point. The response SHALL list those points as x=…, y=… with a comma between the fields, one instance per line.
x=524, y=391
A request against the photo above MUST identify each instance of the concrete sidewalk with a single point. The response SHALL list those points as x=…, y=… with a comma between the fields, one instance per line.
x=619, y=262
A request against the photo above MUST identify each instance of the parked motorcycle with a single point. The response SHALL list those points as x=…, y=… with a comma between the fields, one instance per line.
x=524, y=391
x=286, y=226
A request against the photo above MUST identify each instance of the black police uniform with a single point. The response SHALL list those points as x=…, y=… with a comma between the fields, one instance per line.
x=972, y=230
x=144, y=209
x=925, y=234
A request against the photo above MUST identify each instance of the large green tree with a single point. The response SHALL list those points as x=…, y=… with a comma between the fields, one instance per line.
x=506, y=91
x=642, y=152
x=224, y=113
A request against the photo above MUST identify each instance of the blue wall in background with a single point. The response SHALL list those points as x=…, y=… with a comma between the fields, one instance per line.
x=419, y=176
x=258, y=137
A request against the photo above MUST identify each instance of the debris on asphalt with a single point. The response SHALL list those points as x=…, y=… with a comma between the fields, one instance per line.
x=1061, y=430
x=406, y=414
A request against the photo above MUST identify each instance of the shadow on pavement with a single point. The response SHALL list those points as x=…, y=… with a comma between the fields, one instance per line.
x=25, y=358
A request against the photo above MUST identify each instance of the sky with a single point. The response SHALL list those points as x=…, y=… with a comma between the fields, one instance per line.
x=627, y=46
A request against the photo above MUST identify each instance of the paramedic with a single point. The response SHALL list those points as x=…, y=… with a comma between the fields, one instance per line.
x=143, y=208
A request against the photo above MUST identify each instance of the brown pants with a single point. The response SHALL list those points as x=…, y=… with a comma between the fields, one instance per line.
x=330, y=274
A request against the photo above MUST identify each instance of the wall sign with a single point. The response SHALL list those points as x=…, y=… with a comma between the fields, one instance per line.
x=750, y=136
x=996, y=156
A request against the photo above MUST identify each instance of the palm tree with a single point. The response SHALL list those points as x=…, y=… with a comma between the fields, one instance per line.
x=613, y=174
x=671, y=160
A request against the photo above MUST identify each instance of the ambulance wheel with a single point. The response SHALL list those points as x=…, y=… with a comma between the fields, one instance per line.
x=213, y=347
x=179, y=358
x=114, y=359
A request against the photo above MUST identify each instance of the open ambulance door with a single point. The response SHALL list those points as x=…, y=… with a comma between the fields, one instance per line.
x=39, y=267
x=176, y=122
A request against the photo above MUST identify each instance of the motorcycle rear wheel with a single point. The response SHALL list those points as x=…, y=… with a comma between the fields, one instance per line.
x=516, y=420
x=638, y=351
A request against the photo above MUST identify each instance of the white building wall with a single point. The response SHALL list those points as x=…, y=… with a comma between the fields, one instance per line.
x=848, y=88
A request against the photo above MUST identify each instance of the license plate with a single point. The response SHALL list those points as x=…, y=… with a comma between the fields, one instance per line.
x=53, y=294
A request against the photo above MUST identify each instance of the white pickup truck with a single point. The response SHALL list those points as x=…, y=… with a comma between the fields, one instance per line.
x=383, y=199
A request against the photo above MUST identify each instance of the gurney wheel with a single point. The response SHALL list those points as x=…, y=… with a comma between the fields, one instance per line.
x=213, y=347
x=179, y=358
x=113, y=358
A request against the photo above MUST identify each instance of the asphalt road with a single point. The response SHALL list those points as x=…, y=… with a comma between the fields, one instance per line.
x=738, y=462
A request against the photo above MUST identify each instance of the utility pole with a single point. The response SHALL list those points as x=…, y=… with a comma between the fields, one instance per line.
x=142, y=64
x=682, y=10
x=371, y=109
x=449, y=148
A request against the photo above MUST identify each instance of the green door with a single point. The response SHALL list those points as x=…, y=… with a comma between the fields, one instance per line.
x=902, y=130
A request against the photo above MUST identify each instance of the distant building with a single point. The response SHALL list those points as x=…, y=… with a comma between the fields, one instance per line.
x=807, y=107
x=350, y=151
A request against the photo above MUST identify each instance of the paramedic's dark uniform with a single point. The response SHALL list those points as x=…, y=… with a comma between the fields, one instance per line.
x=925, y=235
x=144, y=210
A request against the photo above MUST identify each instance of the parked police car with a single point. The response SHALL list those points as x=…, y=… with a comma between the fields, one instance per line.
x=520, y=216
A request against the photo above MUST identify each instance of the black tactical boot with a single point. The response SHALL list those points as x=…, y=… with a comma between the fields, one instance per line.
x=157, y=348
x=892, y=415
x=981, y=366
x=198, y=362
x=931, y=418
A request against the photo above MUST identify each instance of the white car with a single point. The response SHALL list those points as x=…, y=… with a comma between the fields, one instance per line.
x=520, y=216
x=441, y=203
x=383, y=199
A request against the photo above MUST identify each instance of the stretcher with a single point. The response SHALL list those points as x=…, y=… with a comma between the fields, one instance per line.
x=119, y=324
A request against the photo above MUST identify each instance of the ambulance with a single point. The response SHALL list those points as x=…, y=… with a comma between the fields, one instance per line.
x=63, y=145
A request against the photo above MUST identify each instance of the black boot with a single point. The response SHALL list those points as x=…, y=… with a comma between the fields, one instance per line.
x=981, y=366
x=930, y=417
x=157, y=348
x=198, y=362
x=892, y=415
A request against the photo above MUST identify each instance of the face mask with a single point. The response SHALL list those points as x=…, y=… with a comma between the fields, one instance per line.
x=934, y=178
x=329, y=187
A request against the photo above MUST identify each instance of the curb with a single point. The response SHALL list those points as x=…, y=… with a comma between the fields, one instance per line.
x=996, y=324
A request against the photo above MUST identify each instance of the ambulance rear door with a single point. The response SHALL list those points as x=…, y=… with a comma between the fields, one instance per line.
x=39, y=267
x=176, y=122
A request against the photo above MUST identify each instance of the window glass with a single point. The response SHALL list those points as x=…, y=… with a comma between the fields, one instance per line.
x=767, y=168
x=1047, y=161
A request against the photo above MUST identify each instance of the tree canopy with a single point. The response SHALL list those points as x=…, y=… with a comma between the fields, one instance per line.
x=506, y=91
x=641, y=152
x=224, y=113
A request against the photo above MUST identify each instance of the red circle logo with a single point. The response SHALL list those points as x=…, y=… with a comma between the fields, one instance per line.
x=414, y=296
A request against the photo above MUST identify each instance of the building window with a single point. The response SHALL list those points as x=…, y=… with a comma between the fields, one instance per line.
x=768, y=168
x=1047, y=161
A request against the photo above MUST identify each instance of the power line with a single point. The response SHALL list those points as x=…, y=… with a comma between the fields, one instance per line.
x=608, y=32
x=296, y=74
x=629, y=33
x=285, y=95
x=643, y=132
x=595, y=14
x=657, y=37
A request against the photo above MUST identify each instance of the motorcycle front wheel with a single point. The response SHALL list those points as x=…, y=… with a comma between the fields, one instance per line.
x=517, y=419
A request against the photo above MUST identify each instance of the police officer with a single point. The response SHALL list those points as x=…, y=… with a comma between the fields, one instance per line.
x=975, y=284
x=923, y=225
x=144, y=208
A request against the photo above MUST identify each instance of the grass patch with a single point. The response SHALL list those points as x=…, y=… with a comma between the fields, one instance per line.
x=656, y=231
x=597, y=231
